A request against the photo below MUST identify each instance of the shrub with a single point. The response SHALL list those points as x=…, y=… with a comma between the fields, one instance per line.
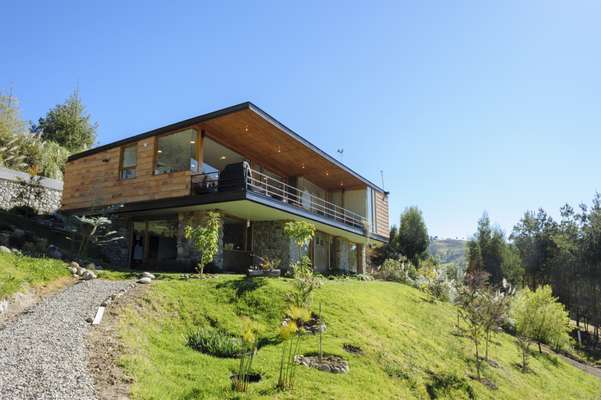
x=24, y=211
x=433, y=281
x=215, y=342
x=401, y=270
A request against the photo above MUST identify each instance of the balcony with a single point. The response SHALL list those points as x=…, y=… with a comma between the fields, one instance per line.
x=239, y=177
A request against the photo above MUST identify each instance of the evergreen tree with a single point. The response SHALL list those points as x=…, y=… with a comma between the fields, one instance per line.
x=413, y=237
x=69, y=125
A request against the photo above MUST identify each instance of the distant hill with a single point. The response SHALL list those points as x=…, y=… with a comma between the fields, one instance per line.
x=448, y=251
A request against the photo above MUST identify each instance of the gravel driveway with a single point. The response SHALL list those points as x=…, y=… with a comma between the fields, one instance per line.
x=43, y=352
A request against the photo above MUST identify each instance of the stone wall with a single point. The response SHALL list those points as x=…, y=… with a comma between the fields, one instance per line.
x=269, y=239
x=20, y=189
x=117, y=252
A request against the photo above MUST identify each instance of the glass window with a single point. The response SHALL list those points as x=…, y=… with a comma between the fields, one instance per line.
x=128, y=162
x=176, y=152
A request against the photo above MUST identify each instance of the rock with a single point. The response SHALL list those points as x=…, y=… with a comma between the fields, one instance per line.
x=73, y=270
x=74, y=264
x=18, y=233
x=4, y=238
x=81, y=271
x=148, y=275
x=54, y=252
x=88, y=275
x=89, y=320
x=91, y=266
x=6, y=250
x=144, y=280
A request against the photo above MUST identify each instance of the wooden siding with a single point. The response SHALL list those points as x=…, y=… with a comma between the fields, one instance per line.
x=93, y=181
x=381, y=206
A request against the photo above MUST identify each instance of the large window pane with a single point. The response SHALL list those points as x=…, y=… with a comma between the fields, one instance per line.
x=176, y=152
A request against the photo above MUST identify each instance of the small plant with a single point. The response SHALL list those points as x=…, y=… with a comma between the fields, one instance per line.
x=305, y=282
x=300, y=232
x=291, y=333
x=249, y=349
x=95, y=230
x=205, y=239
x=269, y=264
x=215, y=342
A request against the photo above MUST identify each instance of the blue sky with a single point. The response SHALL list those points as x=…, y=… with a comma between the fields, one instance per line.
x=465, y=106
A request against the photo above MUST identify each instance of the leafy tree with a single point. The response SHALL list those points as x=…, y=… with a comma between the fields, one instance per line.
x=69, y=125
x=22, y=150
x=93, y=230
x=389, y=251
x=205, y=239
x=539, y=317
x=413, y=236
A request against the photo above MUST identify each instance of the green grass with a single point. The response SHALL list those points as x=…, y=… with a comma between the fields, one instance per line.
x=409, y=350
x=20, y=272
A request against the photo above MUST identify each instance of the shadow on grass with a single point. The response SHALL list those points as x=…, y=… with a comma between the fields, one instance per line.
x=443, y=385
x=243, y=285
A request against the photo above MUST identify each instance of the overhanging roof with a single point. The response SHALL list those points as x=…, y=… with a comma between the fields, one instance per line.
x=295, y=144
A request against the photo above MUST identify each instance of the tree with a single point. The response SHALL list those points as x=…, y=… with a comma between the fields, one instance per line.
x=205, y=239
x=68, y=125
x=472, y=305
x=539, y=317
x=489, y=251
x=413, y=236
x=390, y=250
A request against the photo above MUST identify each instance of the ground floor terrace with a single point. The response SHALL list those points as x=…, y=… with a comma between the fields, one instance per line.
x=154, y=239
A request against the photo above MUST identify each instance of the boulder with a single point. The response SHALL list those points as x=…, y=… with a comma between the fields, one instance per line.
x=73, y=270
x=74, y=264
x=4, y=249
x=91, y=266
x=81, y=271
x=144, y=280
x=148, y=275
x=54, y=252
x=18, y=233
x=88, y=275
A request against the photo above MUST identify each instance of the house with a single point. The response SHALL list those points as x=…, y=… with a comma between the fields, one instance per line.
x=241, y=161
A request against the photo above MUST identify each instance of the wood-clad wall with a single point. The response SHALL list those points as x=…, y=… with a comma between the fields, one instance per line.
x=93, y=181
x=381, y=206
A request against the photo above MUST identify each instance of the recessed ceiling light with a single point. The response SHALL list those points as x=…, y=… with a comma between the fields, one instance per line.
x=246, y=128
x=303, y=165
x=279, y=149
x=222, y=157
x=192, y=141
x=159, y=151
x=327, y=173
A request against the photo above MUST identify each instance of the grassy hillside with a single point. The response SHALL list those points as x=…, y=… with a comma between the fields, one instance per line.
x=409, y=350
x=20, y=272
x=448, y=251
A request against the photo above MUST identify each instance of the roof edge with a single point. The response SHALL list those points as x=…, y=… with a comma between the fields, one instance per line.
x=224, y=111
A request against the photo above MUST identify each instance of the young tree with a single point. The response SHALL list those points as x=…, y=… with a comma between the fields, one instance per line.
x=472, y=305
x=413, y=236
x=69, y=125
x=205, y=238
x=539, y=318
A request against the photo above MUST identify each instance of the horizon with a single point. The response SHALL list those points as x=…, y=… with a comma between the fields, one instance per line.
x=466, y=108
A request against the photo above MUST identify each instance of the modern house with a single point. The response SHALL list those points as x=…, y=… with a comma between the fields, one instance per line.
x=242, y=162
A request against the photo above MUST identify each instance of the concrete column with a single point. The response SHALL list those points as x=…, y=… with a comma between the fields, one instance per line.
x=361, y=259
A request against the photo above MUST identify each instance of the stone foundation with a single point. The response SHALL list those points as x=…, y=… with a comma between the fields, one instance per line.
x=269, y=240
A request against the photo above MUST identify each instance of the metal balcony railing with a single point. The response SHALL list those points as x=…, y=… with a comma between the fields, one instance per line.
x=260, y=183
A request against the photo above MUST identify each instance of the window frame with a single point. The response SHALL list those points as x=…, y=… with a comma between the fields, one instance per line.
x=135, y=166
x=197, y=149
